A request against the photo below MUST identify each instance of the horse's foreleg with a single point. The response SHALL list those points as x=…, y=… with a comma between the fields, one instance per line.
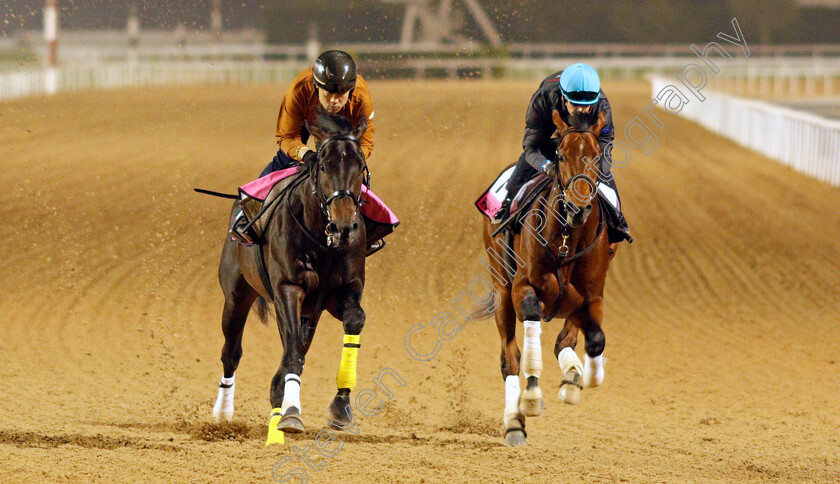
x=506, y=323
x=531, y=402
x=239, y=296
x=353, y=316
x=593, y=363
x=285, y=386
x=570, y=364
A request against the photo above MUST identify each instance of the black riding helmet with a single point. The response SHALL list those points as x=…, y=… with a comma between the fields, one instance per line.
x=335, y=71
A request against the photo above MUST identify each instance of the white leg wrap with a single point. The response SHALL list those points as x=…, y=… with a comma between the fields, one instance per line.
x=291, y=393
x=512, y=392
x=223, y=408
x=593, y=371
x=569, y=359
x=532, y=350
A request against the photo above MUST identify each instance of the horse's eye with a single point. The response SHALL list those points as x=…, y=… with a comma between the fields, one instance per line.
x=322, y=167
x=561, y=157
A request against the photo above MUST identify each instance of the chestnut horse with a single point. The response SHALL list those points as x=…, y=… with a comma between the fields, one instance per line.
x=313, y=259
x=560, y=259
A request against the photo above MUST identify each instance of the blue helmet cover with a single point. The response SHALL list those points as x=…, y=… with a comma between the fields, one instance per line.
x=580, y=84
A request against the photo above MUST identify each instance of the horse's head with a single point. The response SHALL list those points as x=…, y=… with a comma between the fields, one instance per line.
x=575, y=168
x=337, y=174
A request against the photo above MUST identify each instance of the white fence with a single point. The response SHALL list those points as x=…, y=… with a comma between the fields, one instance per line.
x=111, y=76
x=107, y=75
x=808, y=143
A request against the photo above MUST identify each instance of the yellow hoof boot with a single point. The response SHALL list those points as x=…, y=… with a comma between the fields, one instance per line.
x=275, y=436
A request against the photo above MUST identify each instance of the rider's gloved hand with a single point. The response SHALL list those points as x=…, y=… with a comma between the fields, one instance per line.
x=310, y=157
x=546, y=165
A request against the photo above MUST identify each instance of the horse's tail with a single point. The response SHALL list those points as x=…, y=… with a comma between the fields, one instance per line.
x=262, y=310
x=486, y=309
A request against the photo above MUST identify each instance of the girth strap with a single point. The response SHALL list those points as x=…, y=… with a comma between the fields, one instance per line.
x=260, y=258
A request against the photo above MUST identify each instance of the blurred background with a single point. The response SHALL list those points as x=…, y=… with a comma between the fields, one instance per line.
x=47, y=46
x=721, y=318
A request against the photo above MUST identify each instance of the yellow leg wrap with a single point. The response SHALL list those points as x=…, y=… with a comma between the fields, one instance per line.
x=275, y=436
x=347, y=370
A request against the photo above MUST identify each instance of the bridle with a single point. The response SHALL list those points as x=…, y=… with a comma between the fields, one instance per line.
x=563, y=249
x=560, y=258
x=558, y=182
x=324, y=201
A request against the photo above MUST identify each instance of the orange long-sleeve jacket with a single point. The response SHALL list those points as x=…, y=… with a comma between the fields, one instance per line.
x=301, y=102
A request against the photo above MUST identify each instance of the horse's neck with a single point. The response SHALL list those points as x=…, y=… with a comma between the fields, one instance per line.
x=308, y=210
x=555, y=217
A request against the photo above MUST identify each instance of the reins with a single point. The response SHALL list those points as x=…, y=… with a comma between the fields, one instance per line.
x=305, y=230
x=560, y=259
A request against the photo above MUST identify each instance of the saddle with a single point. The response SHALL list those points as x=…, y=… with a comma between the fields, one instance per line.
x=252, y=207
x=263, y=192
x=489, y=203
x=525, y=198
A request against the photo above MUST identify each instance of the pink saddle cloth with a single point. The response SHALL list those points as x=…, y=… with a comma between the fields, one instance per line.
x=491, y=200
x=372, y=208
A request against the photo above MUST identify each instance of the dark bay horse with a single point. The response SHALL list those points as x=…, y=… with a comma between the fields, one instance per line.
x=560, y=259
x=313, y=257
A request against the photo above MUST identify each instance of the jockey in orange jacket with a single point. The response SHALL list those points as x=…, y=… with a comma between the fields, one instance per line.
x=332, y=83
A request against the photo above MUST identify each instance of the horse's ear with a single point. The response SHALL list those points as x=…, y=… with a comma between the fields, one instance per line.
x=558, y=121
x=599, y=123
x=360, y=128
x=316, y=131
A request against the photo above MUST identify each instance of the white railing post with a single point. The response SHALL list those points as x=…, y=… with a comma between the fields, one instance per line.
x=803, y=141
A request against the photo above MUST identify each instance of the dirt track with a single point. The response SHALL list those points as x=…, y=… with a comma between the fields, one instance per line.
x=721, y=320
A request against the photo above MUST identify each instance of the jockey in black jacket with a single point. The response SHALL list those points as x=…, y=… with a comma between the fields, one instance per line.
x=577, y=88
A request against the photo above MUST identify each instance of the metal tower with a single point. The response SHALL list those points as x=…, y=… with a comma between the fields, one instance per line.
x=434, y=18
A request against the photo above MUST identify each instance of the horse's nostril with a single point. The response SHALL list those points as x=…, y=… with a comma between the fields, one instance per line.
x=332, y=227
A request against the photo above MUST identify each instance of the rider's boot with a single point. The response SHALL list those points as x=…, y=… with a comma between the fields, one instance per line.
x=238, y=230
x=622, y=228
x=617, y=225
x=503, y=212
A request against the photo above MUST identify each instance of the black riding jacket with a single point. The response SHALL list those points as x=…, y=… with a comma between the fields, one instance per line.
x=538, y=144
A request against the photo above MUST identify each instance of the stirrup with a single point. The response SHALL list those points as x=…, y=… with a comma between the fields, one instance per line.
x=623, y=228
x=500, y=217
x=375, y=247
x=236, y=232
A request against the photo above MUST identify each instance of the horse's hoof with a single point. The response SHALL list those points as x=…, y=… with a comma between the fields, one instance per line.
x=340, y=413
x=291, y=421
x=531, y=402
x=593, y=371
x=570, y=388
x=514, y=437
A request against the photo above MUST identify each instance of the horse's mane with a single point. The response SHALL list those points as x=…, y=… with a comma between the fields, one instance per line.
x=334, y=125
x=581, y=120
x=329, y=125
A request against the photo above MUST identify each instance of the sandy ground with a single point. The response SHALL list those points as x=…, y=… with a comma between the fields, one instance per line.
x=721, y=320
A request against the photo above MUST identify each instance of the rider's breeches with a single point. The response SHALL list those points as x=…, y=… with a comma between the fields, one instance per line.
x=521, y=174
